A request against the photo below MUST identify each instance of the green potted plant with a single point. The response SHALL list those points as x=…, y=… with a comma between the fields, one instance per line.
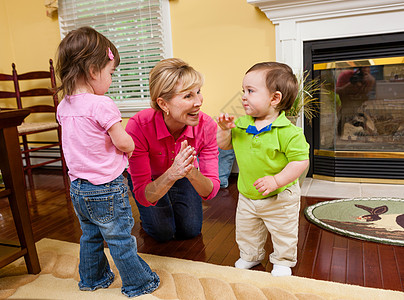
x=306, y=100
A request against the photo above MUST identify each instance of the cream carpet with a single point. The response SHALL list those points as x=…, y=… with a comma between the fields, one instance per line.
x=180, y=279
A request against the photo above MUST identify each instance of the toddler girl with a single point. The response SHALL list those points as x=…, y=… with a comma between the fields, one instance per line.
x=96, y=149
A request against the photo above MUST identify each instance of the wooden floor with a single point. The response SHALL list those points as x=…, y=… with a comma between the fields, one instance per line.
x=321, y=254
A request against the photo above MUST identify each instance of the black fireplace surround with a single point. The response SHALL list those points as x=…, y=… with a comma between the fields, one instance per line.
x=352, y=164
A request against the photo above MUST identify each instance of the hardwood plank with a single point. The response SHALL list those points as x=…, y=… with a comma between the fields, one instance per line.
x=224, y=248
x=216, y=243
x=232, y=256
x=389, y=271
x=324, y=257
x=195, y=245
x=207, y=238
x=306, y=260
x=338, y=261
x=371, y=273
x=355, y=262
x=399, y=254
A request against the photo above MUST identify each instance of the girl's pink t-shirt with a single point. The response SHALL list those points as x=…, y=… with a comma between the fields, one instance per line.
x=155, y=150
x=87, y=146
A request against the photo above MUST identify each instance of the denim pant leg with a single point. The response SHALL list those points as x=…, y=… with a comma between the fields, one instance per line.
x=187, y=206
x=226, y=160
x=94, y=268
x=178, y=214
x=110, y=210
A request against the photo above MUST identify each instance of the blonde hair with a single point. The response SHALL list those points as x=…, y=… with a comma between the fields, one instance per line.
x=167, y=75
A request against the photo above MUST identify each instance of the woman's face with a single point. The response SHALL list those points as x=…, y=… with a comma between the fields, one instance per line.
x=183, y=108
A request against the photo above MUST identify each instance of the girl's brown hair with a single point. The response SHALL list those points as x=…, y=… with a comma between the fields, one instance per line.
x=279, y=77
x=80, y=50
x=166, y=75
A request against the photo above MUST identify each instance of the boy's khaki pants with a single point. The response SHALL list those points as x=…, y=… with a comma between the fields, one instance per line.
x=279, y=215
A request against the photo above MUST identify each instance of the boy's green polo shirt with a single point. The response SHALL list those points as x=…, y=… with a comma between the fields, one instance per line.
x=266, y=153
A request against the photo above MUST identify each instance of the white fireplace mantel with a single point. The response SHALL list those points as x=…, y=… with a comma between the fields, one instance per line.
x=297, y=21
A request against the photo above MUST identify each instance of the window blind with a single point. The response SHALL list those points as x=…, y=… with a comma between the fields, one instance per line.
x=140, y=31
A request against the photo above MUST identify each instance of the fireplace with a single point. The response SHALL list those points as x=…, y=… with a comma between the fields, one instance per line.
x=359, y=132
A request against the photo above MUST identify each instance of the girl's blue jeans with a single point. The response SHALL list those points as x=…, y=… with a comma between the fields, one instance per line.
x=178, y=214
x=104, y=213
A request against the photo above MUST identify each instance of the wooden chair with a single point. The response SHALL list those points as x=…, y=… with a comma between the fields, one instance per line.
x=39, y=98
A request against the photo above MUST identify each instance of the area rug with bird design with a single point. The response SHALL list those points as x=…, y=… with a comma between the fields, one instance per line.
x=377, y=219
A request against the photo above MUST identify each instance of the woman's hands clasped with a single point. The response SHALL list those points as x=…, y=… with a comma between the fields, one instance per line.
x=183, y=162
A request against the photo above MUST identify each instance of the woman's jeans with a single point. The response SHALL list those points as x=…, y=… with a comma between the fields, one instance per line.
x=104, y=213
x=178, y=214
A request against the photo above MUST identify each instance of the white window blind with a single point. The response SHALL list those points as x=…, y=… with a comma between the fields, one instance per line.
x=140, y=30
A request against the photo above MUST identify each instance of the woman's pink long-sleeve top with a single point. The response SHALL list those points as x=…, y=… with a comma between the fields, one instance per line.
x=155, y=150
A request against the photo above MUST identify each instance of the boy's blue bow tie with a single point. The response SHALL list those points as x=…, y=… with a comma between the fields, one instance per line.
x=252, y=129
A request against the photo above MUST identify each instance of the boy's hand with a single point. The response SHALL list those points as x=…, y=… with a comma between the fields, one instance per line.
x=266, y=185
x=225, y=122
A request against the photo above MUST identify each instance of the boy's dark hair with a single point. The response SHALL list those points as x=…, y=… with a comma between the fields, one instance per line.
x=77, y=52
x=279, y=77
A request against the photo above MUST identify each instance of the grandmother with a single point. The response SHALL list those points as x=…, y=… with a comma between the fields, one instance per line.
x=175, y=162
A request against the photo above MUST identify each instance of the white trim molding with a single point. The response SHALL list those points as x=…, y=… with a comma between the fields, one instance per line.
x=297, y=21
x=281, y=10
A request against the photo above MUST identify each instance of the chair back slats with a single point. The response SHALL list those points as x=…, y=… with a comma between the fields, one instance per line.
x=41, y=108
x=34, y=75
x=4, y=94
x=6, y=77
x=36, y=92
x=19, y=95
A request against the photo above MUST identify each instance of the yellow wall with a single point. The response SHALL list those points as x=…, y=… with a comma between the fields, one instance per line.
x=5, y=43
x=28, y=37
x=221, y=39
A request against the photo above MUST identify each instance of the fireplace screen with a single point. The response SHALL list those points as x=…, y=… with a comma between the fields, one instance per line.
x=362, y=105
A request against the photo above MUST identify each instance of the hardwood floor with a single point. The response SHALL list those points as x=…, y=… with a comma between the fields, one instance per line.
x=321, y=254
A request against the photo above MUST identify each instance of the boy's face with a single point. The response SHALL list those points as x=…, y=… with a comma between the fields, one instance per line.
x=256, y=97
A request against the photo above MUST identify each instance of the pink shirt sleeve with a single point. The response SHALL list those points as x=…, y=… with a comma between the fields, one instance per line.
x=209, y=156
x=107, y=114
x=139, y=162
